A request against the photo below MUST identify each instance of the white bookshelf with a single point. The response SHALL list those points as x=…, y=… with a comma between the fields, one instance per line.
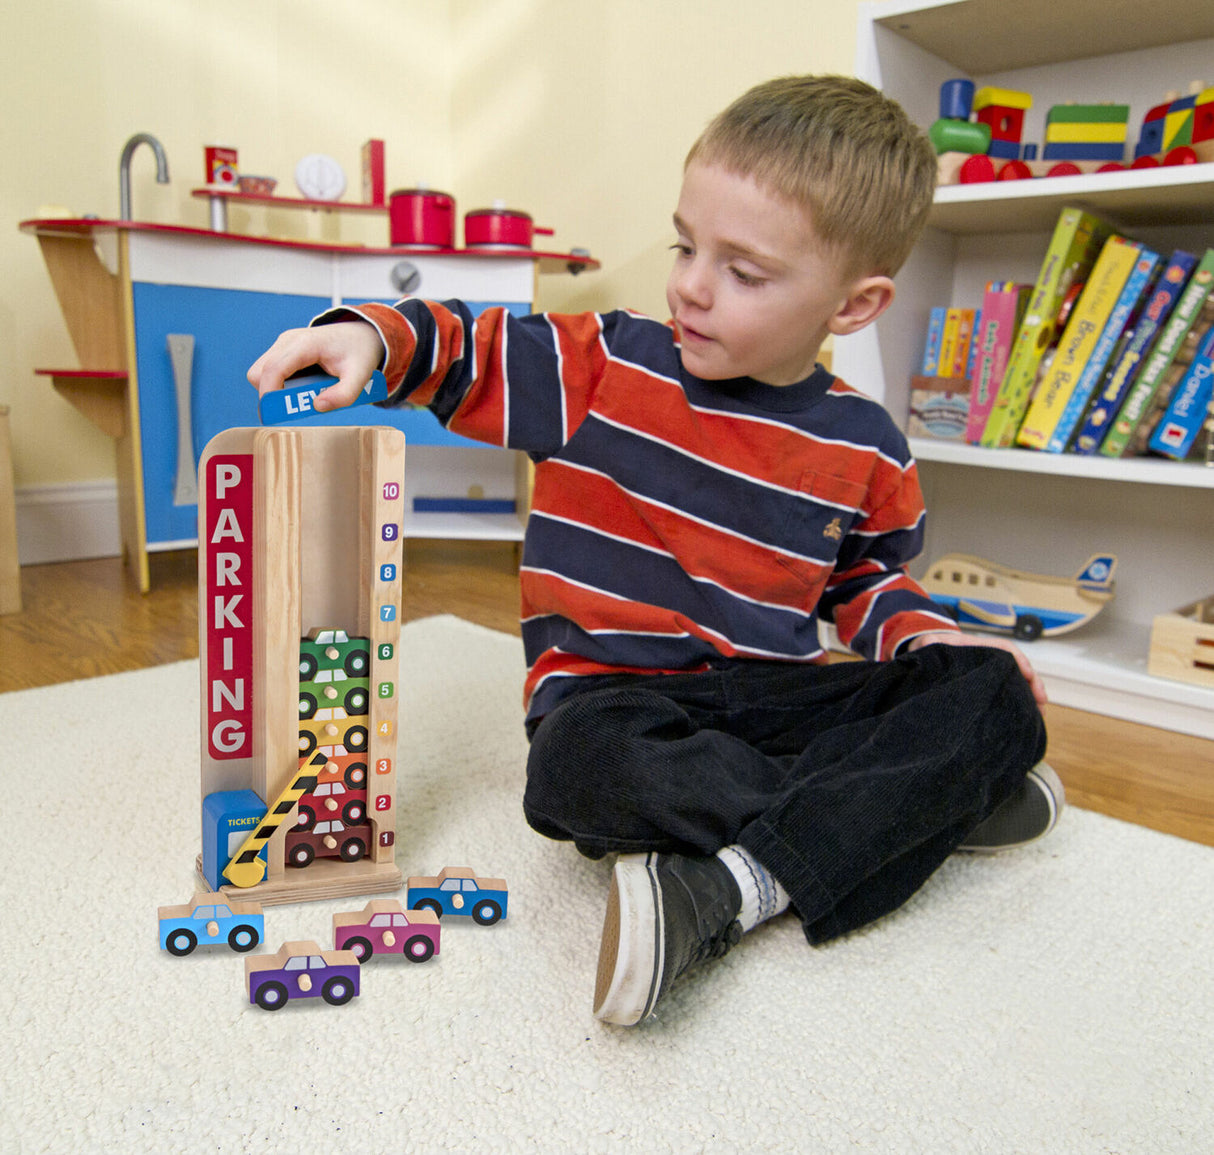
x=1037, y=511
x=1134, y=470
x=1138, y=198
x=475, y=471
x=464, y=526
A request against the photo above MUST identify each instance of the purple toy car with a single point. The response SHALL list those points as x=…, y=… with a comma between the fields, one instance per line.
x=301, y=970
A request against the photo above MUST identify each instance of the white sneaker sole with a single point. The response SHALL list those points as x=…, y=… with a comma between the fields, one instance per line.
x=632, y=952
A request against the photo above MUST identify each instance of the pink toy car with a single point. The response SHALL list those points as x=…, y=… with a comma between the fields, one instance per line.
x=384, y=926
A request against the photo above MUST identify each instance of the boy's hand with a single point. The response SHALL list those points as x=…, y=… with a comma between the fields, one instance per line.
x=954, y=638
x=348, y=350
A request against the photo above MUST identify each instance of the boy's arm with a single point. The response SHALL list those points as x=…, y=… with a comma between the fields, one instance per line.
x=878, y=609
x=876, y=606
x=520, y=382
x=916, y=622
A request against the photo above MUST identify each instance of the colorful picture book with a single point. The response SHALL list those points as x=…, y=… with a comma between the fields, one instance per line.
x=1140, y=442
x=1003, y=306
x=940, y=394
x=1111, y=340
x=1110, y=351
x=1086, y=326
x=1177, y=430
x=1077, y=240
x=930, y=366
x=938, y=407
x=1142, y=391
x=1160, y=299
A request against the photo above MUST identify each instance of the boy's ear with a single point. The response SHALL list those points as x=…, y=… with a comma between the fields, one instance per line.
x=866, y=300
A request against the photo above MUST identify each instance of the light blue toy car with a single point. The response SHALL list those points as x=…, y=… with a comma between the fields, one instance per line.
x=209, y=919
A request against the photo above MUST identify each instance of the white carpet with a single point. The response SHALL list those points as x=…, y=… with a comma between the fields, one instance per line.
x=1060, y=999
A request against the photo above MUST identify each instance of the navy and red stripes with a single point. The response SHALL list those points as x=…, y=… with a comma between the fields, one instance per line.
x=675, y=522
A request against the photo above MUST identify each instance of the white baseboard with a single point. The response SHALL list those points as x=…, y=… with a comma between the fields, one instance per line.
x=67, y=522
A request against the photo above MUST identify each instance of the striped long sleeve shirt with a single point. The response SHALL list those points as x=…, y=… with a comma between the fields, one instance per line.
x=676, y=523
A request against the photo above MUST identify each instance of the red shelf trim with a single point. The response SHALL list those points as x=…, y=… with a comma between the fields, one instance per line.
x=97, y=374
x=287, y=202
x=80, y=226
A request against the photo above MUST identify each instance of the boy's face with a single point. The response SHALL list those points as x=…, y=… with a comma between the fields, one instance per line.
x=752, y=292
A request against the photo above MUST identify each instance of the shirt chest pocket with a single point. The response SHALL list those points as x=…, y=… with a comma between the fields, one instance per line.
x=819, y=519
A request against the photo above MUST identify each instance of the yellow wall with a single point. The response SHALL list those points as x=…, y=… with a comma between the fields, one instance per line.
x=599, y=104
x=578, y=112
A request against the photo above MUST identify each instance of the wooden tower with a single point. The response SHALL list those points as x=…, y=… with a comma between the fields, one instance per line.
x=299, y=531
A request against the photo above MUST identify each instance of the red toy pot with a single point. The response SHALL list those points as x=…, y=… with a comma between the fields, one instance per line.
x=419, y=217
x=500, y=226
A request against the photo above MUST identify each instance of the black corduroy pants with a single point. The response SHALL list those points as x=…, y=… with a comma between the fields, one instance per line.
x=850, y=782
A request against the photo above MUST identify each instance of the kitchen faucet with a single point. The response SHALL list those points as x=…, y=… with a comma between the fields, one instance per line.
x=124, y=170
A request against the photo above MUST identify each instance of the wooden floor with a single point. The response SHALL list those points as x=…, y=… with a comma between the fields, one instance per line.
x=82, y=619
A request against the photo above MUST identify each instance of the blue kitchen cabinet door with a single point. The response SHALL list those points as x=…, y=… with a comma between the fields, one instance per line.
x=231, y=329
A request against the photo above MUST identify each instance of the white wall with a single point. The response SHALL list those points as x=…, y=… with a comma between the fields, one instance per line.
x=580, y=113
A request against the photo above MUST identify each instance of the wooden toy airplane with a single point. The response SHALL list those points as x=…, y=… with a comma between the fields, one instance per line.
x=984, y=595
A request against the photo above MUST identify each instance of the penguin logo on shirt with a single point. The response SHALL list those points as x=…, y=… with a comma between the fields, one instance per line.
x=834, y=529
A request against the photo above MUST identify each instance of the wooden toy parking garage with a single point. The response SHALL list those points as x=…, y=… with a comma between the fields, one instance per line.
x=299, y=595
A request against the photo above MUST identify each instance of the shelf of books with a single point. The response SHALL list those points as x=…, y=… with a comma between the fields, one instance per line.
x=1108, y=352
x=1099, y=368
x=1104, y=363
x=1051, y=349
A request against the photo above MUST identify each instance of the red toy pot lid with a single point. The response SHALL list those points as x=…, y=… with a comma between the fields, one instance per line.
x=516, y=214
x=420, y=192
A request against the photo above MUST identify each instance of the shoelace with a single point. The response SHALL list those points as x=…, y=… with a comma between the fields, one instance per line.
x=721, y=944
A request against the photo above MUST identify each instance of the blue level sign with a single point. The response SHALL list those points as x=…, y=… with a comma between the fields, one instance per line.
x=297, y=398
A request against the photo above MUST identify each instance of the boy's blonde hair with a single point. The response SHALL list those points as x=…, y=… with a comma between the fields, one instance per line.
x=842, y=150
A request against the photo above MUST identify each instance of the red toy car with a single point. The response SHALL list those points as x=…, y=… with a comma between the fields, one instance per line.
x=332, y=839
x=331, y=800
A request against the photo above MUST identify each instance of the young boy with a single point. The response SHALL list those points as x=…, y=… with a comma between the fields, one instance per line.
x=705, y=493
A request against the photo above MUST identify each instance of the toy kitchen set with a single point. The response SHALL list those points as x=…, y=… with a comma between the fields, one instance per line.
x=166, y=319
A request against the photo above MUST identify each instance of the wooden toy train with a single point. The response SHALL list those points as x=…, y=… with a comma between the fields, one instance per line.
x=978, y=135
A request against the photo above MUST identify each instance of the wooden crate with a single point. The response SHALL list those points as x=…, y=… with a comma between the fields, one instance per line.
x=1182, y=644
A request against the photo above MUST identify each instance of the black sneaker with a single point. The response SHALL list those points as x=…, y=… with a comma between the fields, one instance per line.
x=665, y=913
x=1029, y=814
